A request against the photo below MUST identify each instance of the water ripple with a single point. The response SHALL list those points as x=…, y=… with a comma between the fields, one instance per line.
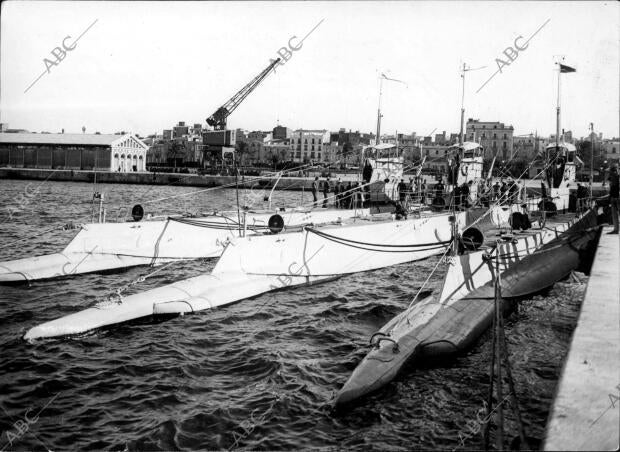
x=258, y=374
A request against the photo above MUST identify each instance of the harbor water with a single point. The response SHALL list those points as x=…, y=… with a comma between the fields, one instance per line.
x=259, y=374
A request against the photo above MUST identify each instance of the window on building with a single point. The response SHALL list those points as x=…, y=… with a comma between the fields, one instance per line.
x=484, y=135
x=505, y=136
x=494, y=136
x=436, y=152
x=313, y=141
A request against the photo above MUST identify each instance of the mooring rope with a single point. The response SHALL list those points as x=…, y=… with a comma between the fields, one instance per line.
x=229, y=225
x=367, y=245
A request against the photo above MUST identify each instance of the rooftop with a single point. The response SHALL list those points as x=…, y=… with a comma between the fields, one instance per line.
x=60, y=138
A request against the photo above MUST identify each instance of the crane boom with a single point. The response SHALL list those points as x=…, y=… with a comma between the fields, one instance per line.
x=218, y=119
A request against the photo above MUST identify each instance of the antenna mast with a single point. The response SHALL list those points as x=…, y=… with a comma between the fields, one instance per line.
x=557, y=116
x=591, y=156
x=462, y=105
x=378, y=139
x=465, y=69
x=381, y=77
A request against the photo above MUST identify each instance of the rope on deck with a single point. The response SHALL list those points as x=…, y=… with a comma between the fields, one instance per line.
x=368, y=245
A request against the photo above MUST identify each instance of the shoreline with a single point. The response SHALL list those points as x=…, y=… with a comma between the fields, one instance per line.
x=196, y=180
x=149, y=178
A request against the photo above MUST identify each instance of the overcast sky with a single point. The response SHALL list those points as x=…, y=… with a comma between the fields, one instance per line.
x=144, y=66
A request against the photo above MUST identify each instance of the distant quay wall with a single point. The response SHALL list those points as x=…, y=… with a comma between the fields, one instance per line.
x=144, y=178
x=193, y=180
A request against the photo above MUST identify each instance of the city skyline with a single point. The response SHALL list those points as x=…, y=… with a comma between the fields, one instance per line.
x=144, y=66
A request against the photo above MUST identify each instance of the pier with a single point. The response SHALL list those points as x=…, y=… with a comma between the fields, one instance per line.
x=585, y=412
x=204, y=180
x=152, y=178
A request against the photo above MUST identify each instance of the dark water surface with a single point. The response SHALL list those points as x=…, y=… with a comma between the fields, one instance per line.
x=258, y=374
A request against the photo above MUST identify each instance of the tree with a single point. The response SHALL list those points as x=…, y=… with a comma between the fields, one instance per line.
x=346, y=152
x=282, y=154
x=242, y=150
x=585, y=153
x=275, y=159
x=517, y=168
x=175, y=151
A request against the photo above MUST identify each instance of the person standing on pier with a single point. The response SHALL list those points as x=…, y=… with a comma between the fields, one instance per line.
x=315, y=191
x=496, y=189
x=353, y=194
x=348, y=196
x=502, y=192
x=358, y=196
x=614, y=196
x=439, y=188
x=338, y=189
x=326, y=190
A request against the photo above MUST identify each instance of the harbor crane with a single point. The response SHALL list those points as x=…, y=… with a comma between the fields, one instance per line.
x=219, y=143
x=218, y=119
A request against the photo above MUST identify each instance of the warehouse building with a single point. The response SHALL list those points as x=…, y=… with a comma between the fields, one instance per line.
x=121, y=153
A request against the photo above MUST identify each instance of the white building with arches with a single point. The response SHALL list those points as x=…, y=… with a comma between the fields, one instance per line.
x=128, y=154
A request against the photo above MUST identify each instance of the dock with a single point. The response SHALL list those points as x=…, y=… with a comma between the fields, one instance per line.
x=287, y=182
x=585, y=412
x=268, y=181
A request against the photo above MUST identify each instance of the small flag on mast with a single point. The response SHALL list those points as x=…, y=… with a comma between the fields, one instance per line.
x=392, y=79
x=564, y=68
